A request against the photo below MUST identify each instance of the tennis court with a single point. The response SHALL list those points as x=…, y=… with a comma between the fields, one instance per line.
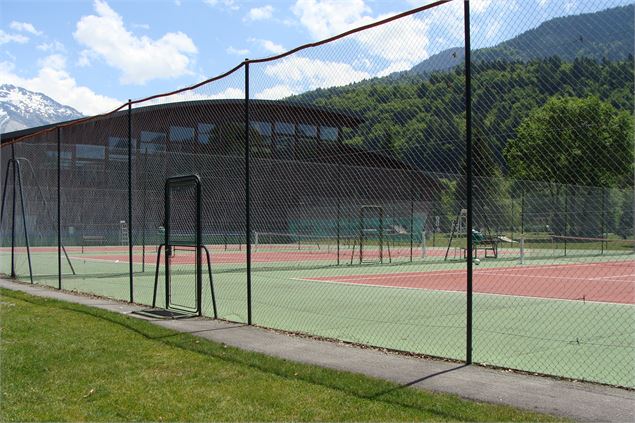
x=547, y=316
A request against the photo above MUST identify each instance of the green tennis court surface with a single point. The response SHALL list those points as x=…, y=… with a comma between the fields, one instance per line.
x=546, y=316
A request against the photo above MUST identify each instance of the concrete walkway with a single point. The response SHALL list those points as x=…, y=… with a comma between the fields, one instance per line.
x=577, y=400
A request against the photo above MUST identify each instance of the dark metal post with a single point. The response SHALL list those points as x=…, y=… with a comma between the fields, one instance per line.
x=143, y=226
x=199, y=248
x=16, y=165
x=13, y=214
x=522, y=212
x=247, y=192
x=468, y=160
x=59, y=209
x=412, y=210
x=566, y=217
x=603, y=223
x=130, y=199
x=339, y=212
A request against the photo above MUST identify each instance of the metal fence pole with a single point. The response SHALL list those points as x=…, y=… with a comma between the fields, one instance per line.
x=339, y=212
x=603, y=222
x=13, y=214
x=412, y=209
x=130, y=200
x=59, y=209
x=469, y=164
x=247, y=193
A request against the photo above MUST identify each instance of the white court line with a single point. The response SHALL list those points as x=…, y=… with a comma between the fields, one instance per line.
x=615, y=276
x=114, y=261
x=455, y=291
x=442, y=273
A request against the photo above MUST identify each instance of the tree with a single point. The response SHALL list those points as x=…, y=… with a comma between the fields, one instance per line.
x=574, y=141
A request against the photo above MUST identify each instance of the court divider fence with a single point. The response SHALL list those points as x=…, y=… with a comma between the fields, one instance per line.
x=480, y=211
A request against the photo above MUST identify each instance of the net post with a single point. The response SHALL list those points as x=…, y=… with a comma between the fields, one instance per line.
x=130, y=263
x=247, y=193
x=59, y=208
x=468, y=159
x=522, y=249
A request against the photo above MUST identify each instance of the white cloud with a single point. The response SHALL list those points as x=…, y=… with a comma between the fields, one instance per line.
x=404, y=41
x=399, y=42
x=324, y=18
x=276, y=92
x=12, y=38
x=301, y=73
x=229, y=4
x=25, y=27
x=259, y=13
x=52, y=46
x=140, y=59
x=395, y=67
x=237, y=51
x=177, y=2
x=229, y=92
x=269, y=45
x=54, y=80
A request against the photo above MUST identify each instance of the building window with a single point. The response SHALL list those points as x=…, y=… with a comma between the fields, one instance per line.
x=284, y=140
x=181, y=134
x=307, y=131
x=285, y=128
x=205, y=133
x=328, y=133
x=181, y=139
x=118, y=148
x=89, y=155
x=152, y=142
x=66, y=157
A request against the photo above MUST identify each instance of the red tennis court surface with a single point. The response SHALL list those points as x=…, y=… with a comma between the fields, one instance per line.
x=612, y=282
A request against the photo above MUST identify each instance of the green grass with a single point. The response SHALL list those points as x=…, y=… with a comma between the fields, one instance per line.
x=63, y=361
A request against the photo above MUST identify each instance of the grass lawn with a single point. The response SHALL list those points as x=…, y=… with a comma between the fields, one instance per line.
x=62, y=361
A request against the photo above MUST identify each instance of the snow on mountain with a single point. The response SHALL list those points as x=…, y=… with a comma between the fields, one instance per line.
x=21, y=109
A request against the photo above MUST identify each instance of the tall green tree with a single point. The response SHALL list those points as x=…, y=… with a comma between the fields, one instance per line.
x=582, y=141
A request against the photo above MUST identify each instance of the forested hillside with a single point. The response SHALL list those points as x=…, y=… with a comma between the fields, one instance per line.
x=421, y=119
x=418, y=115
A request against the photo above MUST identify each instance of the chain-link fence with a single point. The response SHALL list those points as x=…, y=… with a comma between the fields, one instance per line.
x=375, y=188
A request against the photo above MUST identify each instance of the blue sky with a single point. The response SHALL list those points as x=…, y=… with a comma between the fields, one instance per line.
x=95, y=54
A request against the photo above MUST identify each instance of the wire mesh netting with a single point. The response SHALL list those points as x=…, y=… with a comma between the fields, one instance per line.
x=338, y=199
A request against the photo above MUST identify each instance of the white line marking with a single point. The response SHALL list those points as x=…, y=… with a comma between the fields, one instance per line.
x=457, y=292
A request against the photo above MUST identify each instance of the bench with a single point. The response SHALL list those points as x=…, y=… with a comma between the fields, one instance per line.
x=92, y=240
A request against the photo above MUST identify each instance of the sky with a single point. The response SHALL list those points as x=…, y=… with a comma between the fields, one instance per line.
x=94, y=55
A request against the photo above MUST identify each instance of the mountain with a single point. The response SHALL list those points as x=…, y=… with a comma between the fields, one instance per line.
x=21, y=109
x=607, y=34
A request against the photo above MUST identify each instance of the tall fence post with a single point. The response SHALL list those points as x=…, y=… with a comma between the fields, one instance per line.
x=338, y=181
x=603, y=236
x=13, y=275
x=412, y=209
x=59, y=209
x=247, y=193
x=130, y=262
x=468, y=162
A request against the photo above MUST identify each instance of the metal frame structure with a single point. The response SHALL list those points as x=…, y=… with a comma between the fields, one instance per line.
x=169, y=245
